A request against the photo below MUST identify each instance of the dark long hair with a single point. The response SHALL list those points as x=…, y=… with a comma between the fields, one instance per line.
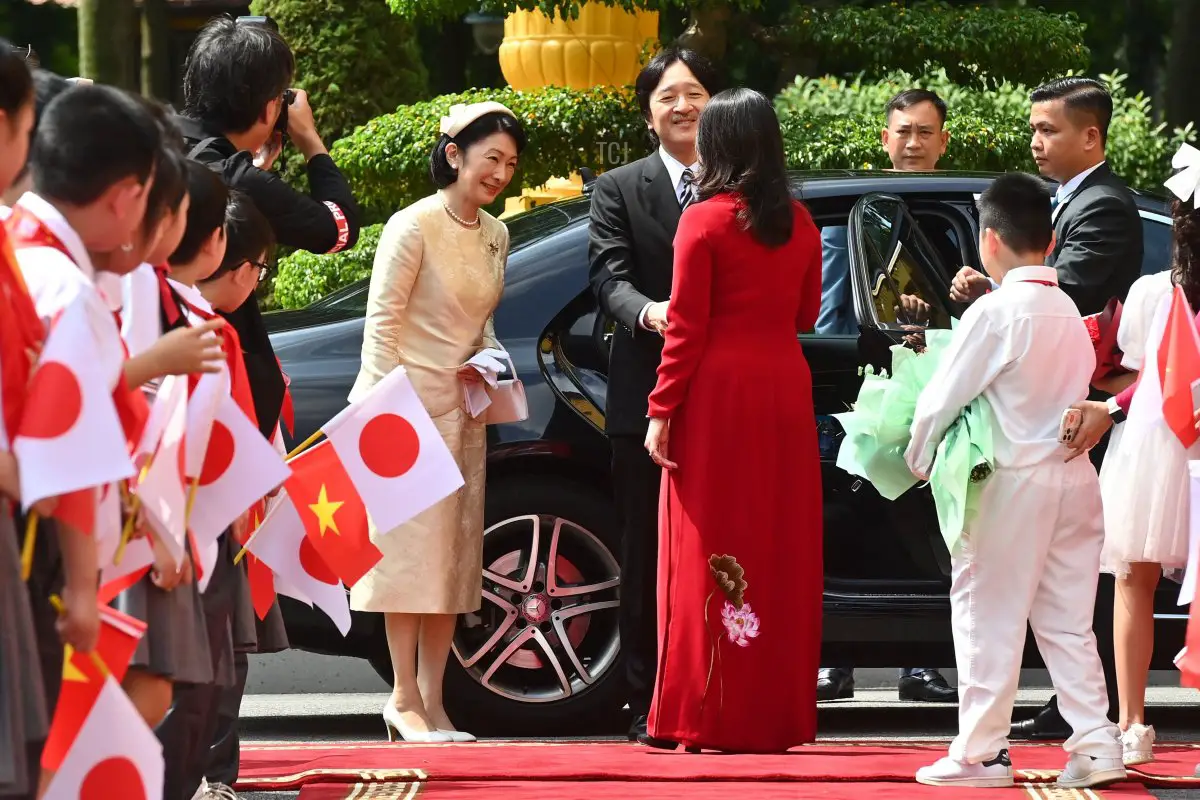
x=741, y=151
x=1185, y=261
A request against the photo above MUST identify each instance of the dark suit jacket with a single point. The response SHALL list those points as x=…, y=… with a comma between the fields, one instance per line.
x=1098, y=253
x=634, y=216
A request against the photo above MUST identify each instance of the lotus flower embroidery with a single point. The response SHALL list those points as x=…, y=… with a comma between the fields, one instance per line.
x=741, y=625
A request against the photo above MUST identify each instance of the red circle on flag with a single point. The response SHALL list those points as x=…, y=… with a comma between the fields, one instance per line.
x=314, y=565
x=389, y=445
x=112, y=777
x=219, y=455
x=49, y=420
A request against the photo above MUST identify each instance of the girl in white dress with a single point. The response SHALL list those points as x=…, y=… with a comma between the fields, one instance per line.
x=1144, y=481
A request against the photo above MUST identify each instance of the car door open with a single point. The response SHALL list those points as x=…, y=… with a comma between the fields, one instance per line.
x=899, y=292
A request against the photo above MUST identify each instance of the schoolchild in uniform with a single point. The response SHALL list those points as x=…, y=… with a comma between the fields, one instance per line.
x=249, y=253
x=23, y=718
x=1031, y=555
x=174, y=648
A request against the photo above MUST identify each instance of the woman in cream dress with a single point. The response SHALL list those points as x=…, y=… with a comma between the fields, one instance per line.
x=437, y=278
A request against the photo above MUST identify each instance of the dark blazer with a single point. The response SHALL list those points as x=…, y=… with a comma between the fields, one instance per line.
x=631, y=238
x=1098, y=253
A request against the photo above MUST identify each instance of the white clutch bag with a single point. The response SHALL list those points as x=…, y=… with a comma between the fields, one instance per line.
x=508, y=399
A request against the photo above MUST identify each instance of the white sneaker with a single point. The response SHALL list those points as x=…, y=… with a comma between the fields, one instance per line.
x=1085, y=772
x=219, y=791
x=1138, y=745
x=202, y=791
x=994, y=774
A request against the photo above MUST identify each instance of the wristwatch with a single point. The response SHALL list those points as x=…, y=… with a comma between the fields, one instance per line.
x=1114, y=411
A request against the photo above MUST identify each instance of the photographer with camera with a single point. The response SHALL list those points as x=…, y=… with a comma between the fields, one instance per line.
x=238, y=112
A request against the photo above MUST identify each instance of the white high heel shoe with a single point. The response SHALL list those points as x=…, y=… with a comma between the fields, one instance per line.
x=397, y=728
x=457, y=736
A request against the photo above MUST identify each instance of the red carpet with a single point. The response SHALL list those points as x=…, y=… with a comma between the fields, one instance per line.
x=722, y=790
x=444, y=770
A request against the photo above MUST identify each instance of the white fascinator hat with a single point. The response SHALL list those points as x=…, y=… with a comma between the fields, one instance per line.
x=1184, y=184
x=463, y=114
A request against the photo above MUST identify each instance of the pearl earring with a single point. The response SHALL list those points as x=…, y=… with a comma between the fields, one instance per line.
x=127, y=247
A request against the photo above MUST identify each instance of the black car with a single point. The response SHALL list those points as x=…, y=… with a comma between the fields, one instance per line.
x=542, y=655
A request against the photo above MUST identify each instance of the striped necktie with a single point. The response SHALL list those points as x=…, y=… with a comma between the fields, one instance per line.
x=687, y=195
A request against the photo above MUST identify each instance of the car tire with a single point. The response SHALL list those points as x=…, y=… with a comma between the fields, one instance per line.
x=597, y=708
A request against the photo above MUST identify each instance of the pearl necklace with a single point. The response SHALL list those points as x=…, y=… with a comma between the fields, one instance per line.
x=459, y=219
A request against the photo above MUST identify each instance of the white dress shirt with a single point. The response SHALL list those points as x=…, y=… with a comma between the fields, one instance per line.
x=1070, y=187
x=1024, y=348
x=675, y=169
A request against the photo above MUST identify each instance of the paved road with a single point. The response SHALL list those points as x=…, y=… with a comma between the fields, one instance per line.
x=872, y=715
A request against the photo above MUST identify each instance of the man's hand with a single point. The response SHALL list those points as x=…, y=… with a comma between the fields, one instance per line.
x=269, y=152
x=656, y=317
x=969, y=284
x=302, y=128
x=914, y=310
x=79, y=623
x=1096, y=422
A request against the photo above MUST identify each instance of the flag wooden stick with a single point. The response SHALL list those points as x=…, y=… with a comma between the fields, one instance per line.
x=134, y=507
x=307, y=443
x=191, y=501
x=27, y=547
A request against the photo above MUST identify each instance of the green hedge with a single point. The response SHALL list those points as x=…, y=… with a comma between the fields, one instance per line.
x=1024, y=44
x=827, y=124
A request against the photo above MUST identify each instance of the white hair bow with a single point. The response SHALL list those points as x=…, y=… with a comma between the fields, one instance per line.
x=1186, y=183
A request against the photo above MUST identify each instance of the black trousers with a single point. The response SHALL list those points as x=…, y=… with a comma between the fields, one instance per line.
x=224, y=756
x=636, y=481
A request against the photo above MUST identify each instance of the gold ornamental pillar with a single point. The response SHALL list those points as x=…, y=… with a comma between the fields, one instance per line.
x=603, y=47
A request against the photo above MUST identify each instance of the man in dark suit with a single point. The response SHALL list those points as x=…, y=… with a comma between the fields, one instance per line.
x=1097, y=253
x=635, y=211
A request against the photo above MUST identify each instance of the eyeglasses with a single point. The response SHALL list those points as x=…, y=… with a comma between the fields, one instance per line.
x=263, y=269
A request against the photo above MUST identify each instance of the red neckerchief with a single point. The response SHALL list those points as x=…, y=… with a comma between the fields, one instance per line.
x=21, y=336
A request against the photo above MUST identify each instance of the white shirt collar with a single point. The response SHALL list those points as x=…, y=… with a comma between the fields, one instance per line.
x=675, y=168
x=1034, y=272
x=192, y=295
x=1069, y=188
x=58, y=225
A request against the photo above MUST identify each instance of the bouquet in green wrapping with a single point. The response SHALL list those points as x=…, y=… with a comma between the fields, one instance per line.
x=878, y=432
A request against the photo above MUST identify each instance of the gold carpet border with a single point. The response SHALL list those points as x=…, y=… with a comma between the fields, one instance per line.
x=341, y=775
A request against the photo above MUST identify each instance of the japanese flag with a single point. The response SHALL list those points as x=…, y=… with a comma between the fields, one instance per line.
x=115, y=754
x=240, y=468
x=203, y=406
x=393, y=453
x=161, y=487
x=280, y=543
x=70, y=436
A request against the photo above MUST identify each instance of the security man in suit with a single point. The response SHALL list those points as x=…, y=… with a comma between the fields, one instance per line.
x=634, y=213
x=1097, y=253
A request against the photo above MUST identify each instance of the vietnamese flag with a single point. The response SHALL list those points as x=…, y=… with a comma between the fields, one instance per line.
x=1179, y=370
x=83, y=678
x=335, y=519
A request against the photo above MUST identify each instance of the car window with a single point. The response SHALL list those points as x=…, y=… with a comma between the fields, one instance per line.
x=1156, y=243
x=901, y=268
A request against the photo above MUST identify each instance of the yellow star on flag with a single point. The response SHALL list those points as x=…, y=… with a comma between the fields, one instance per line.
x=325, y=510
x=70, y=671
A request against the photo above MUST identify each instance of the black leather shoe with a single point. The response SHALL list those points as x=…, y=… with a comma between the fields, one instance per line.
x=927, y=687
x=1047, y=725
x=835, y=684
x=638, y=728
x=662, y=744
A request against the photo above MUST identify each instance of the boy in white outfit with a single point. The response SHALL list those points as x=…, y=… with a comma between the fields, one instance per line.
x=1032, y=552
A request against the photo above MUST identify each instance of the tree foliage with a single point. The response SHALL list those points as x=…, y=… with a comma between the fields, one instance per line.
x=356, y=60
x=1020, y=44
x=433, y=10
